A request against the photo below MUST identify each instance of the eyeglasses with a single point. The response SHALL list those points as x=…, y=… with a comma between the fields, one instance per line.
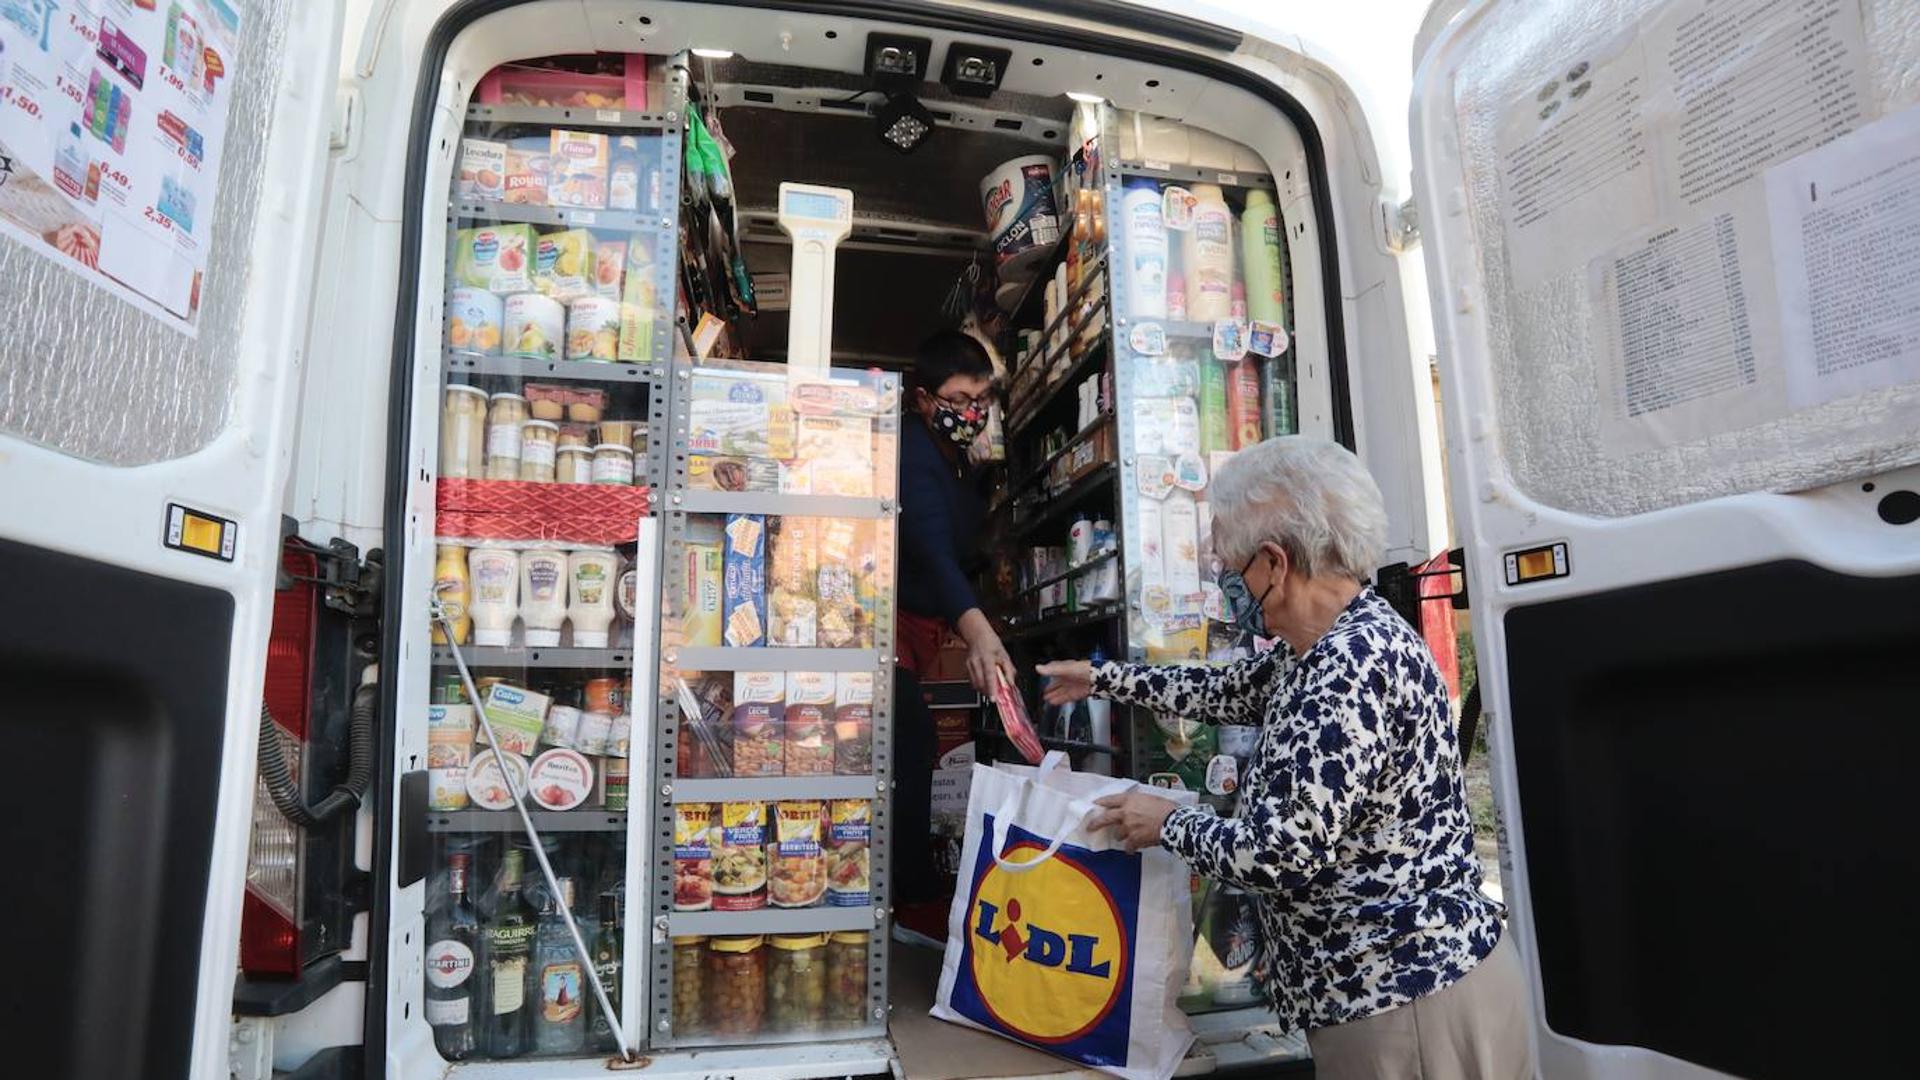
x=963, y=403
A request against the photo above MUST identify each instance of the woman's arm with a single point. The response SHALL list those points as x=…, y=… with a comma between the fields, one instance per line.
x=1333, y=746
x=1235, y=693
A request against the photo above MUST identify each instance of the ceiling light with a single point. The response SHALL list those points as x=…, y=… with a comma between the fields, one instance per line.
x=1085, y=98
x=903, y=123
x=974, y=70
x=713, y=54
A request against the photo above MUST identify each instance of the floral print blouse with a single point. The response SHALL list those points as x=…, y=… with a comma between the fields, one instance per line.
x=1352, y=832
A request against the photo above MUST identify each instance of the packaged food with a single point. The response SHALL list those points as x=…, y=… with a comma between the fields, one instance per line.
x=609, y=269
x=560, y=779
x=563, y=725
x=809, y=718
x=714, y=472
x=853, y=723
x=488, y=786
x=449, y=748
x=740, y=857
x=798, y=874
x=573, y=465
x=636, y=332
x=535, y=326
x=610, y=782
x=740, y=414
x=529, y=161
x=612, y=464
x=593, y=328
x=846, y=557
x=736, y=985
x=797, y=983
x=745, y=594
x=506, y=415
x=483, y=169
x=620, y=735
x=616, y=81
x=793, y=563
x=759, y=706
x=640, y=440
x=545, y=401
x=706, y=718
x=616, y=431
x=689, y=999
x=578, y=436
x=846, y=978
x=563, y=264
x=497, y=258
x=623, y=174
x=517, y=715
x=839, y=452
x=585, y=405
x=596, y=720
x=849, y=836
x=577, y=176
x=539, y=440
x=473, y=321
x=693, y=825
x=463, y=433
x=702, y=622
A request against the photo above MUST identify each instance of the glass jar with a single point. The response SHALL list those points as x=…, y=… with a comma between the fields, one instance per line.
x=505, y=416
x=573, y=465
x=640, y=437
x=847, y=978
x=797, y=983
x=463, y=433
x=736, y=985
x=612, y=464
x=689, y=1015
x=538, y=441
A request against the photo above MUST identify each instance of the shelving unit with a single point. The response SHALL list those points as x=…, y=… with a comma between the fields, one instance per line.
x=527, y=367
x=520, y=656
x=584, y=819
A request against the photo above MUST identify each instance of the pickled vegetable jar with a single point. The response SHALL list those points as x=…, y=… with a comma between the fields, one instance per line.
x=847, y=978
x=689, y=1014
x=736, y=985
x=797, y=983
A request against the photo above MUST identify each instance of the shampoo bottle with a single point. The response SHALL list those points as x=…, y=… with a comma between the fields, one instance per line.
x=1260, y=258
x=1209, y=256
x=1146, y=244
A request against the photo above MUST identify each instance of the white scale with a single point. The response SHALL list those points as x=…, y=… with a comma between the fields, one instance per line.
x=817, y=219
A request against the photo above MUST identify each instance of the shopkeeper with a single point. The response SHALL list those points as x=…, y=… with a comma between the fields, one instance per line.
x=941, y=517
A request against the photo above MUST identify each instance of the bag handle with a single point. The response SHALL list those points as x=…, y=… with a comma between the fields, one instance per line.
x=1079, y=808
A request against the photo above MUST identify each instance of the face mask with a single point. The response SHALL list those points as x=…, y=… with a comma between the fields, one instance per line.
x=1248, y=611
x=962, y=426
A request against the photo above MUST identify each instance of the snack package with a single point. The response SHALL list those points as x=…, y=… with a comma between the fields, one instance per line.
x=849, y=834
x=715, y=472
x=564, y=264
x=529, y=162
x=740, y=857
x=744, y=592
x=809, y=720
x=517, y=715
x=497, y=258
x=759, y=715
x=609, y=268
x=483, y=169
x=693, y=856
x=704, y=575
x=740, y=414
x=577, y=176
x=838, y=452
x=846, y=556
x=797, y=874
x=853, y=723
x=793, y=562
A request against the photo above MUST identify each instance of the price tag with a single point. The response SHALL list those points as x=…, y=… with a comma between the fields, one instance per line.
x=583, y=217
x=1163, y=166
x=1229, y=340
x=607, y=116
x=1267, y=339
x=1148, y=339
x=1230, y=179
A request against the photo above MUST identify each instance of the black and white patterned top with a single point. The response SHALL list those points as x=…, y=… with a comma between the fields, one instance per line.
x=1352, y=832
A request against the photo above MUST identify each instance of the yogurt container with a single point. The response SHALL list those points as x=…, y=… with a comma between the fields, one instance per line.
x=535, y=326
x=593, y=328
x=473, y=321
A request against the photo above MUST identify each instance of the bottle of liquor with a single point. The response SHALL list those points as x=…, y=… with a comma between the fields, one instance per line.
x=606, y=963
x=560, y=1022
x=509, y=942
x=455, y=933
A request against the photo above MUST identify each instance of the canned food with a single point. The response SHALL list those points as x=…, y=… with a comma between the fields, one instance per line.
x=473, y=321
x=593, y=328
x=535, y=325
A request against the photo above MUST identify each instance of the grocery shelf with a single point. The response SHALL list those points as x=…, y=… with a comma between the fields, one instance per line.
x=1097, y=560
x=584, y=819
x=1226, y=178
x=527, y=367
x=772, y=920
x=950, y=694
x=1071, y=498
x=563, y=216
x=1068, y=621
x=709, y=658
x=1047, y=741
x=569, y=117
x=1042, y=273
x=773, y=502
x=1025, y=416
x=520, y=656
x=775, y=788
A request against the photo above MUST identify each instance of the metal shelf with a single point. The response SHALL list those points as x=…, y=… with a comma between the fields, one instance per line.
x=1103, y=557
x=709, y=658
x=1038, y=474
x=567, y=117
x=1017, y=426
x=950, y=694
x=776, y=503
x=1059, y=505
x=772, y=920
x=1069, y=621
x=583, y=819
x=526, y=367
x=1233, y=178
x=775, y=788
x=565, y=216
x=519, y=656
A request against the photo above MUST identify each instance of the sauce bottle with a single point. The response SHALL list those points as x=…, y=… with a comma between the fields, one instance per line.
x=450, y=584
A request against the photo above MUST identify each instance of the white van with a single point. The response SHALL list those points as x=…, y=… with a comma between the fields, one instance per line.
x=1670, y=251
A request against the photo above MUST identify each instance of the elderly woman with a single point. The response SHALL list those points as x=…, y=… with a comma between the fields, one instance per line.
x=1353, y=835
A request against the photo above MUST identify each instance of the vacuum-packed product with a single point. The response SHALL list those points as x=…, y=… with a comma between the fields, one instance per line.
x=797, y=874
x=740, y=857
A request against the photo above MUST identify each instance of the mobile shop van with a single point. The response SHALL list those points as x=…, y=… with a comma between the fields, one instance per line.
x=1663, y=244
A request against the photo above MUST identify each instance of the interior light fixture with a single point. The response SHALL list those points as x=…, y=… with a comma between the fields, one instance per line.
x=903, y=123
x=974, y=70
x=1085, y=98
x=713, y=54
x=896, y=61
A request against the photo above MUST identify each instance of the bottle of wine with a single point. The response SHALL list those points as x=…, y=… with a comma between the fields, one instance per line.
x=509, y=941
x=606, y=963
x=454, y=931
x=560, y=1022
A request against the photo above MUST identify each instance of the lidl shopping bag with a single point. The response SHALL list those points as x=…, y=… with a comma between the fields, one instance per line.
x=1058, y=937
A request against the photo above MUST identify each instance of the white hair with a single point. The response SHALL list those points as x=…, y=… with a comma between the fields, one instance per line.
x=1310, y=496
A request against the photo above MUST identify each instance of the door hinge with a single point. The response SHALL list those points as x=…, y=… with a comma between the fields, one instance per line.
x=1402, y=225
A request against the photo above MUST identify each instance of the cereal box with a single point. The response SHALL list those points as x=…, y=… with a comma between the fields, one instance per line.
x=497, y=258
x=578, y=173
x=704, y=562
x=793, y=561
x=483, y=169
x=518, y=716
x=759, y=715
x=744, y=589
x=529, y=161
x=564, y=264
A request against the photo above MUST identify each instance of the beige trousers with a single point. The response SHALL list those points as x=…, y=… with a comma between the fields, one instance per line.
x=1477, y=1029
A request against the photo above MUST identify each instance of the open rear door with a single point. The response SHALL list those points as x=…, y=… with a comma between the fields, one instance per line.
x=154, y=316
x=1672, y=254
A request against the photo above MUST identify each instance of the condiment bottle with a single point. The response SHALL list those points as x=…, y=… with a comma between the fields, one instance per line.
x=543, y=595
x=450, y=585
x=494, y=585
x=590, y=583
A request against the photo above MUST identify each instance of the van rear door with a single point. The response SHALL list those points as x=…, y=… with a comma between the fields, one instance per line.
x=1665, y=243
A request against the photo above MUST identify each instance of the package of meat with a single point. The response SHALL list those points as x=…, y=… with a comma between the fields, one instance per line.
x=1013, y=715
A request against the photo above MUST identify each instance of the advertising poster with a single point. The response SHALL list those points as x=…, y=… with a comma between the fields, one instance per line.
x=112, y=118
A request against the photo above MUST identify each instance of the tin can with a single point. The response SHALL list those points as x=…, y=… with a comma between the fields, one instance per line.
x=610, y=782
x=473, y=321
x=535, y=326
x=593, y=328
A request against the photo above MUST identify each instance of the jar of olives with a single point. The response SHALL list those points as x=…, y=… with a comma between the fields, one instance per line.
x=847, y=978
x=689, y=1010
x=797, y=983
x=736, y=984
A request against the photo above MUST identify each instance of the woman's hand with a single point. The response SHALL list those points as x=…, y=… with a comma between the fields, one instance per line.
x=988, y=663
x=1068, y=681
x=1136, y=816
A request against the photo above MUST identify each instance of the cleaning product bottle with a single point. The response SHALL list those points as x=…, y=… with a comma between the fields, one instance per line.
x=1209, y=256
x=1099, y=726
x=1260, y=258
x=1146, y=242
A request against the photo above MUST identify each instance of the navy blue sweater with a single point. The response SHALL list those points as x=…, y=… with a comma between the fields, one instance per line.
x=940, y=521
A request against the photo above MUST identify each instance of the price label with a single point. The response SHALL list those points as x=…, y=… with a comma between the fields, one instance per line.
x=69, y=88
x=108, y=172
x=157, y=218
x=20, y=101
x=607, y=116
x=583, y=217
x=91, y=36
x=174, y=81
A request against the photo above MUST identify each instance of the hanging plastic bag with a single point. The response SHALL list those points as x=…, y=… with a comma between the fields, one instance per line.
x=1060, y=938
